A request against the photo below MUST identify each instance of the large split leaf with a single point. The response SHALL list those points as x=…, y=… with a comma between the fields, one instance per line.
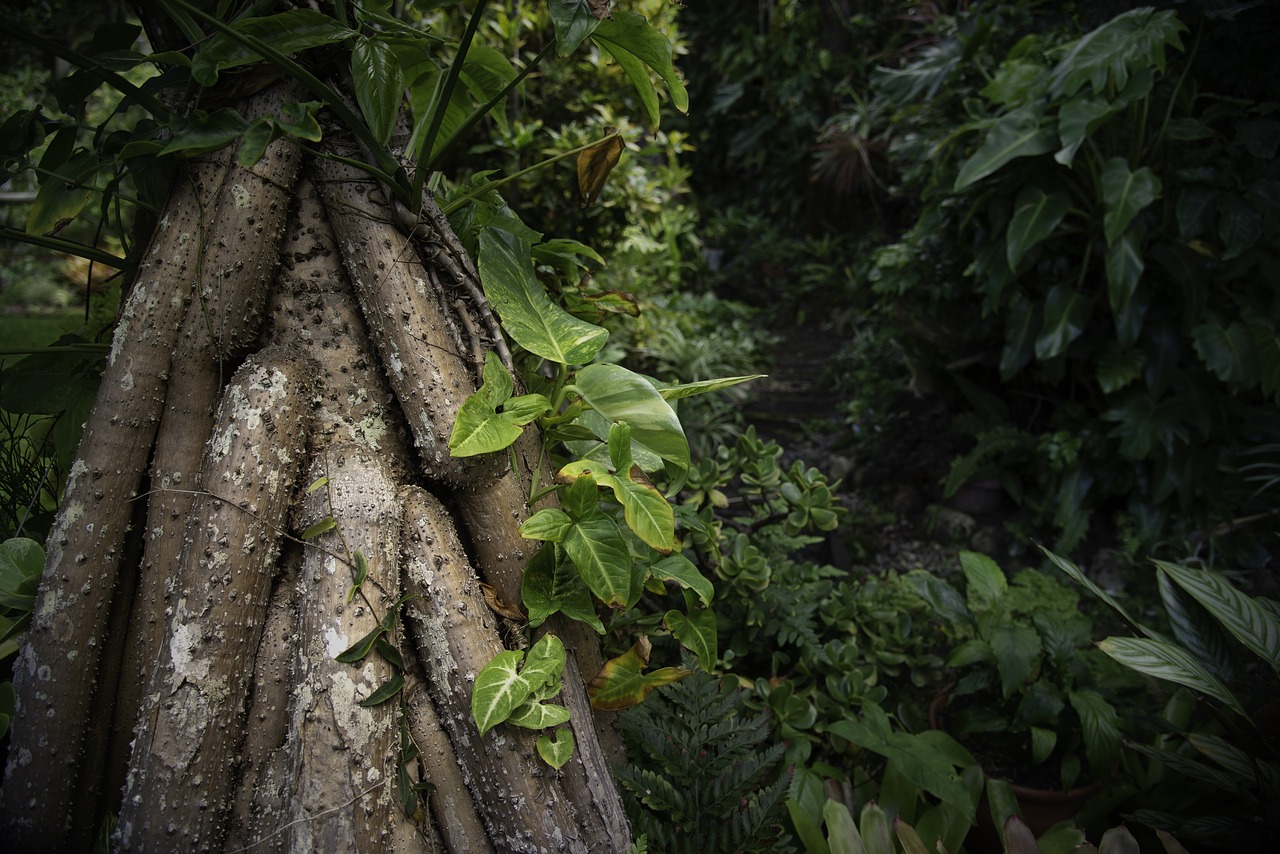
x=491, y=419
x=1020, y=133
x=1125, y=45
x=287, y=32
x=623, y=683
x=528, y=314
x=638, y=47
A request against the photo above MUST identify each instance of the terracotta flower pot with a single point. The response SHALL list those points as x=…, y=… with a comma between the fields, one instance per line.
x=1040, y=808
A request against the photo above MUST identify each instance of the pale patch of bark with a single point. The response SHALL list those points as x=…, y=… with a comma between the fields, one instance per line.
x=523, y=801
x=192, y=725
x=344, y=755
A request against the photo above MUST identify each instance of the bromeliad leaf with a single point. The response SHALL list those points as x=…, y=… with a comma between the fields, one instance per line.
x=499, y=689
x=528, y=314
x=623, y=683
x=490, y=419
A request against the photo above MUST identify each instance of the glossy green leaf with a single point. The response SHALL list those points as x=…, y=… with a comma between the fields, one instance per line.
x=597, y=549
x=621, y=395
x=1227, y=351
x=385, y=692
x=490, y=419
x=681, y=570
x=573, y=21
x=1066, y=311
x=1101, y=727
x=544, y=662
x=1238, y=613
x=530, y=715
x=638, y=47
x=556, y=752
x=683, y=390
x=1019, y=133
x=379, y=85
x=1035, y=215
x=64, y=194
x=1128, y=43
x=361, y=648
x=918, y=761
x=622, y=682
x=498, y=690
x=1170, y=662
x=549, y=524
x=528, y=314
x=287, y=32
x=1125, y=194
x=1076, y=118
x=1124, y=264
x=552, y=584
x=873, y=826
x=204, y=133
x=21, y=565
x=697, y=633
x=1042, y=743
x=326, y=524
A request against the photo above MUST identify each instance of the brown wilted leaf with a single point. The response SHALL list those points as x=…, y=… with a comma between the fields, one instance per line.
x=599, y=8
x=595, y=164
x=498, y=605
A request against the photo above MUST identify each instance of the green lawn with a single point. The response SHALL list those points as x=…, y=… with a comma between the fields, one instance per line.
x=32, y=331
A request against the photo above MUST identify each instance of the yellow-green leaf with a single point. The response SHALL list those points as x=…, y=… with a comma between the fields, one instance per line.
x=622, y=682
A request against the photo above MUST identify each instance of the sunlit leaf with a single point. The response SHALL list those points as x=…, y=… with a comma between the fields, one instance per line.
x=549, y=524
x=544, y=662
x=490, y=419
x=532, y=715
x=621, y=395
x=595, y=164
x=528, y=314
x=623, y=683
x=683, y=390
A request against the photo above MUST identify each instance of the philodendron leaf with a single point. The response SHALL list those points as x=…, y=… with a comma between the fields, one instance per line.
x=597, y=549
x=621, y=395
x=649, y=516
x=287, y=32
x=1126, y=44
x=1124, y=265
x=379, y=85
x=683, y=390
x=696, y=633
x=623, y=683
x=682, y=571
x=1036, y=214
x=552, y=583
x=1066, y=311
x=555, y=752
x=574, y=20
x=1227, y=351
x=528, y=314
x=548, y=524
x=638, y=47
x=544, y=663
x=1124, y=195
x=21, y=565
x=499, y=689
x=532, y=715
x=490, y=419
x=1016, y=134
x=1170, y=662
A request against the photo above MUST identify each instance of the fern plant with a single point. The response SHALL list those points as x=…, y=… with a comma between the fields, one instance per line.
x=700, y=777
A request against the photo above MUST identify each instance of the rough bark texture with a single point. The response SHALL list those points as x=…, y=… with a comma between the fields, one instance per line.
x=246, y=733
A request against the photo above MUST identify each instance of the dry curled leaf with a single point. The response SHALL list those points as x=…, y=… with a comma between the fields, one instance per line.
x=498, y=605
x=599, y=8
x=595, y=164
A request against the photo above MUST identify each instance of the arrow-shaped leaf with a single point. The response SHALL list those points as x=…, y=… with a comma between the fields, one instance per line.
x=622, y=682
x=499, y=689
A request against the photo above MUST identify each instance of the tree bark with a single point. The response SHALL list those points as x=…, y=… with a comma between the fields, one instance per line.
x=247, y=733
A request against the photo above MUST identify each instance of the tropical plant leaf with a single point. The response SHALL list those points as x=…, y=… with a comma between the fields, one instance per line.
x=64, y=194
x=549, y=524
x=621, y=395
x=1196, y=629
x=528, y=314
x=638, y=47
x=918, y=761
x=696, y=632
x=1126, y=44
x=1101, y=728
x=682, y=571
x=555, y=752
x=573, y=20
x=1020, y=133
x=498, y=690
x=623, y=683
x=544, y=663
x=986, y=583
x=379, y=84
x=552, y=584
x=1239, y=614
x=683, y=390
x=1266, y=344
x=287, y=32
x=21, y=565
x=1125, y=264
x=385, y=691
x=1066, y=312
x=491, y=419
x=531, y=715
x=1125, y=194
x=1172, y=663
x=597, y=549
x=1017, y=650
x=1227, y=351
x=1076, y=118
x=1035, y=215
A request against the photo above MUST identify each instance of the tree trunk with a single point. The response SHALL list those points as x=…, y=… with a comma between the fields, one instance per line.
x=246, y=732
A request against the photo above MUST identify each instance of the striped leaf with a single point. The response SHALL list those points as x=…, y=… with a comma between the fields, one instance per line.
x=1164, y=660
x=1101, y=727
x=1252, y=625
x=1193, y=769
x=1085, y=581
x=1196, y=629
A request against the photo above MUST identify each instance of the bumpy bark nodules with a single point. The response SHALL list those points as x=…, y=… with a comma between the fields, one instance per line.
x=246, y=733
